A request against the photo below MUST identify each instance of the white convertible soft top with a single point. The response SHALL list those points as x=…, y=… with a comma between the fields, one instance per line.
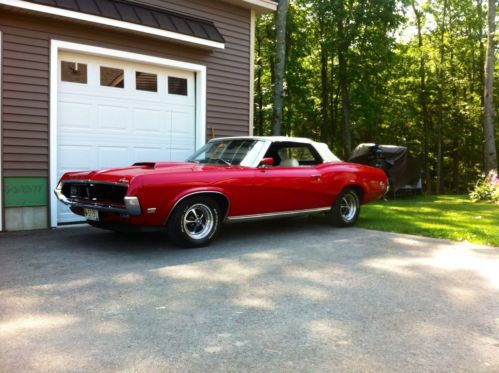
x=322, y=148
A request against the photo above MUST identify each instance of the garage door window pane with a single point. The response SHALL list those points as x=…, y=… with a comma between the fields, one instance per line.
x=146, y=82
x=74, y=72
x=110, y=77
x=177, y=86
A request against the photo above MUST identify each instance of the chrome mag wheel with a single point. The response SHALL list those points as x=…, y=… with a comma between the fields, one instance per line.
x=198, y=221
x=349, y=206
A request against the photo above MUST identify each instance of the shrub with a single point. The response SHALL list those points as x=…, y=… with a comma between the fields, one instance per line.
x=486, y=189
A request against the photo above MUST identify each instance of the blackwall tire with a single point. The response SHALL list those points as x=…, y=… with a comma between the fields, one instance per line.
x=346, y=209
x=195, y=222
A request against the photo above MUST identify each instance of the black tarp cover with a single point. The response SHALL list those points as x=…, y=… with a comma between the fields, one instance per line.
x=402, y=169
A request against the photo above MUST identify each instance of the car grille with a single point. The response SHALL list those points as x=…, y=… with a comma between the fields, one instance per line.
x=95, y=192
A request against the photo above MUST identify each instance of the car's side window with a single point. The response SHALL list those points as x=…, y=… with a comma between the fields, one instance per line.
x=303, y=154
x=293, y=155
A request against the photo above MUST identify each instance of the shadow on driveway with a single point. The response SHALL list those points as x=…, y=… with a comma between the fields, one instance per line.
x=290, y=295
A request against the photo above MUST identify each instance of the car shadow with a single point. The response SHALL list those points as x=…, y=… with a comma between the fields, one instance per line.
x=46, y=248
x=65, y=255
x=150, y=243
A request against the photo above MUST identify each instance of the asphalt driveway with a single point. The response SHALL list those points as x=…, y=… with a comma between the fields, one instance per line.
x=293, y=295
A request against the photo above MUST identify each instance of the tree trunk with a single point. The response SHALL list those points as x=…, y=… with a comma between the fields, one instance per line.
x=481, y=61
x=343, y=81
x=490, y=152
x=456, y=171
x=333, y=104
x=289, y=116
x=423, y=101
x=440, y=184
x=325, y=129
x=454, y=135
x=259, y=88
x=272, y=84
x=282, y=13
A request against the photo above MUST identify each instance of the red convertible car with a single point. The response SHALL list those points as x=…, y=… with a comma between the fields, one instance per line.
x=227, y=180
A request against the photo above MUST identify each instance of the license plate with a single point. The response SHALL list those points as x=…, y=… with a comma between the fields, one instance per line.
x=91, y=214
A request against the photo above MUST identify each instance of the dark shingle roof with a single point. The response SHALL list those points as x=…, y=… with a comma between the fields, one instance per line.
x=127, y=11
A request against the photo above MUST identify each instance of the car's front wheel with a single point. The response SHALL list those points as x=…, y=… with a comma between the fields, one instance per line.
x=195, y=222
x=346, y=209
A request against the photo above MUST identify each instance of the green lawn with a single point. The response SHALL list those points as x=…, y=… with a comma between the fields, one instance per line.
x=450, y=217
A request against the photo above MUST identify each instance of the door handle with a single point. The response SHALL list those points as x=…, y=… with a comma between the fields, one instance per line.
x=316, y=176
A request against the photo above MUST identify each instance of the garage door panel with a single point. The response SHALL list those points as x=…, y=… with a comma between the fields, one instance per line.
x=113, y=117
x=75, y=89
x=182, y=130
x=105, y=126
x=73, y=157
x=180, y=100
x=148, y=140
x=112, y=156
x=73, y=114
x=149, y=120
x=182, y=121
x=150, y=154
x=115, y=138
x=180, y=154
x=179, y=107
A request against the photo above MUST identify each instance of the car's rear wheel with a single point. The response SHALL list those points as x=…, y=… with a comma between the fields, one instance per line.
x=195, y=222
x=346, y=209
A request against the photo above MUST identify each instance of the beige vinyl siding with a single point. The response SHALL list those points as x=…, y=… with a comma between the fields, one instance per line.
x=26, y=40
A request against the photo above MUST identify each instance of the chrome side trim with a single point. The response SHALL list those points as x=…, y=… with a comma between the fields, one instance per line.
x=199, y=192
x=272, y=215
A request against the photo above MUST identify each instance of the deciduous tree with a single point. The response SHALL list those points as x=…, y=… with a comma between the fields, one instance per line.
x=490, y=151
x=281, y=20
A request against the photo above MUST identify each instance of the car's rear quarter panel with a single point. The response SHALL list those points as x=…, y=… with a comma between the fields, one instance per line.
x=339, y=176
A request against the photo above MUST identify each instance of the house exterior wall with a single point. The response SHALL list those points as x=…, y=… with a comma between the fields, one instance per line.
x=25, y=67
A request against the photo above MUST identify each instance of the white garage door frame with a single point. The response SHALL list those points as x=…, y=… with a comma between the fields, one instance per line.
x=58, y=45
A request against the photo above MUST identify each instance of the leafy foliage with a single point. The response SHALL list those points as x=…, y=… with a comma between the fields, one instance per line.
x=486, y=189
x=425, y=93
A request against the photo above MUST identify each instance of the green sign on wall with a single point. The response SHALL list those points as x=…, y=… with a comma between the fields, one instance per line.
x=25, y=191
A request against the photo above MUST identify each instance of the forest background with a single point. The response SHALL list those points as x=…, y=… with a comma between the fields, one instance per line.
x=407, y=73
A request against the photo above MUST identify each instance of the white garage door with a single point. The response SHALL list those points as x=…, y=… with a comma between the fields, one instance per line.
x=112, y=113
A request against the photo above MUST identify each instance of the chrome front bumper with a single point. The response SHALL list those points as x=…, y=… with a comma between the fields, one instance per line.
x=132, y=204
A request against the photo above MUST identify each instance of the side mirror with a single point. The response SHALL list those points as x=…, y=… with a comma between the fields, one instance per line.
x=267, y=162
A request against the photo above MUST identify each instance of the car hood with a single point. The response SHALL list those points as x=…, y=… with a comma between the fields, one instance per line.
x=125, y=175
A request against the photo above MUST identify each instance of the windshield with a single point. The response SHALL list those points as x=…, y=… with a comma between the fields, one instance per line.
x=243, y=152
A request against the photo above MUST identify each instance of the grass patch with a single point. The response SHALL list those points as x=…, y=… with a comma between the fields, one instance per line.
x=450, y=217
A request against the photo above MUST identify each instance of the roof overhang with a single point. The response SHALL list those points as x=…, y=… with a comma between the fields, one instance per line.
x=113, y=23
x=260, y=6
